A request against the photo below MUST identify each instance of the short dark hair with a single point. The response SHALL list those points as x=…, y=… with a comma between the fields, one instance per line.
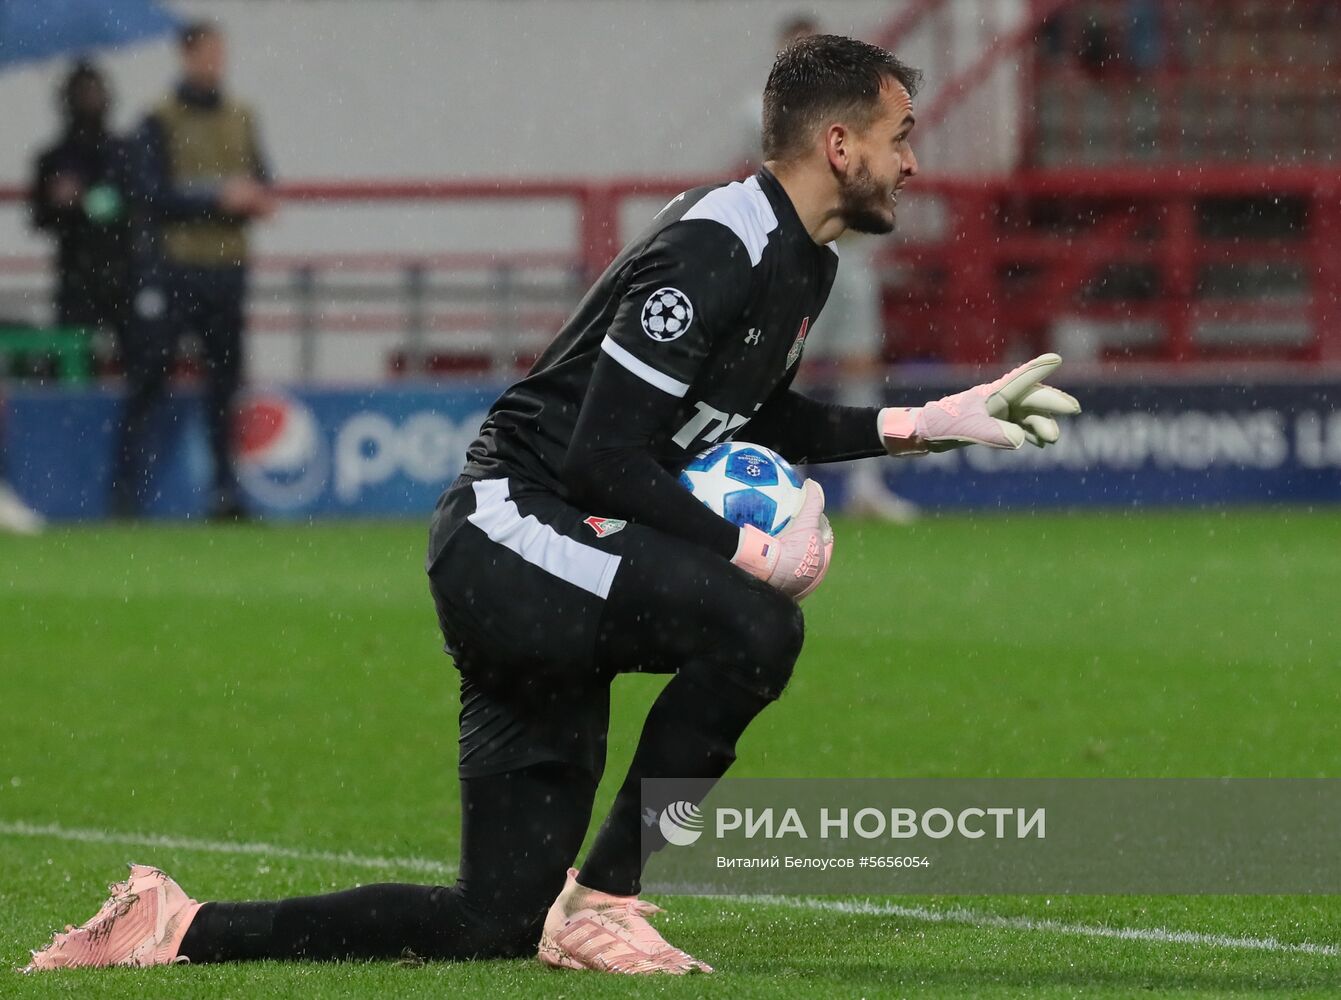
x=190, y=33
x=822, y=76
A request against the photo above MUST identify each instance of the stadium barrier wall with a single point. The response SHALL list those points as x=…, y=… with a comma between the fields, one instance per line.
x=308, y=452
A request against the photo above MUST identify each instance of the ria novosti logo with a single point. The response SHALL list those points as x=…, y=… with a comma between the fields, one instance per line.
x=281, y=457
x=681, y=823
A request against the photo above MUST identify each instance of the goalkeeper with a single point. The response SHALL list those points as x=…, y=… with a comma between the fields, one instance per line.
x=567, y=552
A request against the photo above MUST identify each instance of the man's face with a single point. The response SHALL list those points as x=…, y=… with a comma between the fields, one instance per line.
x=203, y=63
x=89, y=100
x=880, y=161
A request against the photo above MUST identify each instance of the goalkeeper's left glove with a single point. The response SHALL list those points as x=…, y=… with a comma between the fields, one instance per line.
x=795, y=560
x=1006, y=413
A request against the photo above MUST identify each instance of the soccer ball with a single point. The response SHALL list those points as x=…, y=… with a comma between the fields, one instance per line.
x=746, y=484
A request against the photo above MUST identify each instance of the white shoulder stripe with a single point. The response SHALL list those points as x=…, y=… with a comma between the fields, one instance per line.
x=643, y=370
x=743, y=208
x=584, y=566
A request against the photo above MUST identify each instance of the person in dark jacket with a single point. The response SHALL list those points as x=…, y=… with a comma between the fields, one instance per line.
x=78, y=195
x=200, y=178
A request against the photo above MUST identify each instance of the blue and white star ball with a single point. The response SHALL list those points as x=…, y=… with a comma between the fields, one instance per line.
x=746, y=484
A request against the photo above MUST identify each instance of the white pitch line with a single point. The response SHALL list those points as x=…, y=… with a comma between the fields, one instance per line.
x=975, y=918
x=953, y=915
x=54, y=831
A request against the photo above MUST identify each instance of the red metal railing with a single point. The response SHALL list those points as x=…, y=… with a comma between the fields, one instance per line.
x=497, y=309
x=1021, y=255
x=998, y=277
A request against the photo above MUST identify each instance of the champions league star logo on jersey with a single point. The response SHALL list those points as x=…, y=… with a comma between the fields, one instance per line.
x=794, y=355
x=667, y=314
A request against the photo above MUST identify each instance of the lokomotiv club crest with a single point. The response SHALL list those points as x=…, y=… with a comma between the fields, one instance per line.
x=794, y=355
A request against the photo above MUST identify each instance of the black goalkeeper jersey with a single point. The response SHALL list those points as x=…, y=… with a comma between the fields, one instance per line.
x=691, y=337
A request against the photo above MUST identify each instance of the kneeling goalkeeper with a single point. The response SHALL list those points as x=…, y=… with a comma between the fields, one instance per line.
x=567, y=552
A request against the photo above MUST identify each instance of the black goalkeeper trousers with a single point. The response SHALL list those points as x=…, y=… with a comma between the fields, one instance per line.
x=520, y=830
x=542, y=610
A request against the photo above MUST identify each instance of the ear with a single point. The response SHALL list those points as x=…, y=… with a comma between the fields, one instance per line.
x=836, y=150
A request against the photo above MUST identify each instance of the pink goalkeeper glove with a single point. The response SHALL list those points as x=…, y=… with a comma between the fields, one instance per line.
x=796, y=560
x=1006, y=413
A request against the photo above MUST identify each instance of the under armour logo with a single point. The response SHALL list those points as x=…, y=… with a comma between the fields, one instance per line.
x=753, y=334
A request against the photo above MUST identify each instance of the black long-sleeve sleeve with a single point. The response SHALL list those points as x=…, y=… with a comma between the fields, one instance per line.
x=802, y=429
x=611, y=463
x=610, y=467
x=633, y=403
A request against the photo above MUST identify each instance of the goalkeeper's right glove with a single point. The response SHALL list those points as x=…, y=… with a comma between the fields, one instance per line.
x=795, y=560
x=1006, y=413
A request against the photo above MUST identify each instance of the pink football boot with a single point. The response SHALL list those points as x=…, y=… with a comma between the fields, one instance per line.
x=142, y=924
x=586, y=929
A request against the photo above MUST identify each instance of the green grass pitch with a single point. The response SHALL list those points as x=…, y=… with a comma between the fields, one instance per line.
x=282, y=685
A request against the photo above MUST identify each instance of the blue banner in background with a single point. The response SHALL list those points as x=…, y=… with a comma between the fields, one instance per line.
x=299, y=453
x=391, y=451
x=1160, y=443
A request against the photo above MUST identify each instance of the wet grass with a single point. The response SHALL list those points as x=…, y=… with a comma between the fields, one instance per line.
x=285, y=685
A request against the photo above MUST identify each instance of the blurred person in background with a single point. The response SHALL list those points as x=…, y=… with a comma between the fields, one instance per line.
x=200, y=179
x=845, y=347
x=751, y=109
x=846, y=352
x=78, y=195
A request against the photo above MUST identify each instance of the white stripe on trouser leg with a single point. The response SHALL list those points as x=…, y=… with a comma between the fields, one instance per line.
x=540, y=545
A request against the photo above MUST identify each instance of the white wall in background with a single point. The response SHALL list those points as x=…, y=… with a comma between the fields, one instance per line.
x=470, y=88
